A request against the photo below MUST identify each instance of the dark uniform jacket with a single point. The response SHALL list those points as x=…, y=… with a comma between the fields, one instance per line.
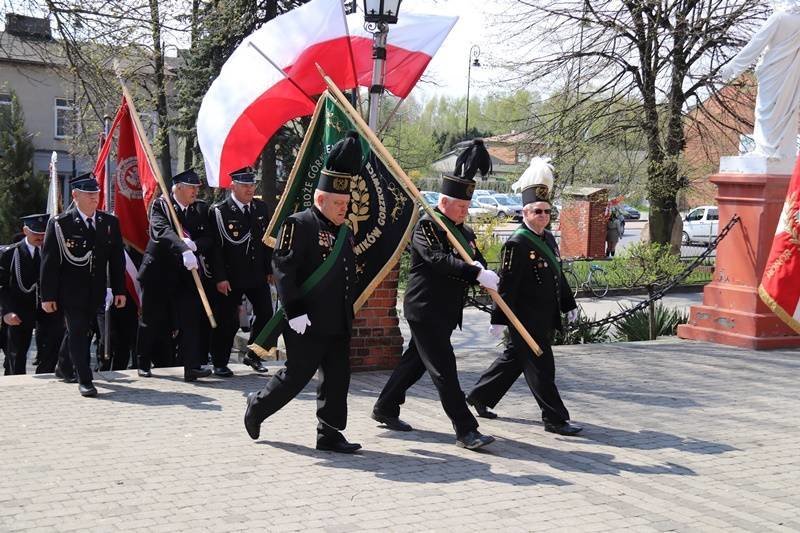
x=438, y=278
x=531, y=287
x=13, y=298
x=244, y=265
x=162, y=263
x=306, y=239
x=75, y=285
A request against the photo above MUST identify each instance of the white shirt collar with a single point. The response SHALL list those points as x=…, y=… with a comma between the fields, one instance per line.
x=531, y=227
x=85, y=216
x=31, y=248
x=183, y=207
x=238, y=203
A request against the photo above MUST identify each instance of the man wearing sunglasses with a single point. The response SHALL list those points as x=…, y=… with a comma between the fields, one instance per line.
x=534, y=288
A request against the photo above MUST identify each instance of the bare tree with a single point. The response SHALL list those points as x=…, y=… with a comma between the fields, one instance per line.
x=659, y=56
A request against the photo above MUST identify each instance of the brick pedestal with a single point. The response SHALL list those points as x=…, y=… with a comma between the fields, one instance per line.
x=582, y=222
x=732, y=312
x=377, y=343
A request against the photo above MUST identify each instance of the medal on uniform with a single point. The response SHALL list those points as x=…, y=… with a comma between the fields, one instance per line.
x=533, y=255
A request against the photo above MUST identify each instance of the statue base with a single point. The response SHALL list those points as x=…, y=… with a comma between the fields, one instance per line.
x=732, y=312
x=756, y=164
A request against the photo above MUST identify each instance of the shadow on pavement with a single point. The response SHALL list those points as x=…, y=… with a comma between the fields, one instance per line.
x=143, y=396
x=567, y=461
x=418, y=466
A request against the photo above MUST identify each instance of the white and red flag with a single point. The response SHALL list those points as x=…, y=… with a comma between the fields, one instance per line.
x=271, y=77
x=780, y=284
x=134, y=187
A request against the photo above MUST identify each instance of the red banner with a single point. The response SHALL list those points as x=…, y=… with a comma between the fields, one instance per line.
x=134, y=187
x=780, y=284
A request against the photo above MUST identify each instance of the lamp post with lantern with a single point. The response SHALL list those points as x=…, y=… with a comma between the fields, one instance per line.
x=378, y=14
x=472, y=61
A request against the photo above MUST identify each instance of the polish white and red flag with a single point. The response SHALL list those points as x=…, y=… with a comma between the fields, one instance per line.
x=271, y=78
x=780, y=284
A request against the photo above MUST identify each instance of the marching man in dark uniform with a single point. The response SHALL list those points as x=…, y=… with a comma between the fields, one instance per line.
x=534, y=288
x=20, y=308
x=315, y=248
x=170, y=300
x=79, y=245
x=241, y=266
x=433, y=303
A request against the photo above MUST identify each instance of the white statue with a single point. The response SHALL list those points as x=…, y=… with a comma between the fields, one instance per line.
x=778, y=73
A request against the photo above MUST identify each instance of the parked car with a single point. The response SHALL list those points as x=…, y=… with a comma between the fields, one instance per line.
x=629, y=213
x=701, y=225
x=497, y=207
x=509, y=206
x=483, y=192
x=477, y=211
x=432, y=197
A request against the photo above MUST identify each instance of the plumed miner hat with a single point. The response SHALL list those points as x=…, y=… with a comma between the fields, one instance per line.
x=536, y=183
x=461, y=184
x=342, y=164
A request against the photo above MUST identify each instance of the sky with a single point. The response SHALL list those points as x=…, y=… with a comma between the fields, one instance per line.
x=449, y=67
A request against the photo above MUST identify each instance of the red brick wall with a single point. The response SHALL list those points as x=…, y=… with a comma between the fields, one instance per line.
x=377, y=343
x=583, y=226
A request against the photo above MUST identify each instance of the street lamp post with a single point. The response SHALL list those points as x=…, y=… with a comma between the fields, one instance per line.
x=472, y=61
x=378, y=14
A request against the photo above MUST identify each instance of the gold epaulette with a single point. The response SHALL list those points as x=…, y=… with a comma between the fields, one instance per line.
x=286, y=236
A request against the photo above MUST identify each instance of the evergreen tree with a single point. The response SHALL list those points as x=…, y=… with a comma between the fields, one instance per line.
x=21, y=191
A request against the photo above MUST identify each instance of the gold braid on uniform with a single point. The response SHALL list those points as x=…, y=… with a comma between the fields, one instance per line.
x=428, y=231
x=508, y=257
x=286, y=236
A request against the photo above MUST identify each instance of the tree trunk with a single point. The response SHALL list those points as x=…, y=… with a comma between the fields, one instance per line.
x=269, y=176
x=191, y=137
x=161, y=141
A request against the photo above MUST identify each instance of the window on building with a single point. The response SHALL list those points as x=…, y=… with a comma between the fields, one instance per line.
x=64, y=118
x=522, y=157
x=5, y=107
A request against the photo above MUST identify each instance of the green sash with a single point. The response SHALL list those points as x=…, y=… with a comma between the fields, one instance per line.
x=457, y=233
x=271, y=327
x=542, y=247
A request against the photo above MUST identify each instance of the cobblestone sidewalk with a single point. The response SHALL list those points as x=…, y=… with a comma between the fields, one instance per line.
x=679, y=436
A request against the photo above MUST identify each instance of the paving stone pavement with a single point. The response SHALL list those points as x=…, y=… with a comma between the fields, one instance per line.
x=679, y=436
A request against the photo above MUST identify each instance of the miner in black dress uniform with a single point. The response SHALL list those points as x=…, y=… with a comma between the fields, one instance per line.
x=241, y=265
x=20, y=309
x=79, y=245
x=315, y=248
x=170, y=299
x=433, y=303
x=534, y=288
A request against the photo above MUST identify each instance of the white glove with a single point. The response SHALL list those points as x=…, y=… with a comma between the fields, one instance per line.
x=190, y=243
x=478, y=264
x=488, y=279
x=189, y=260
x=109, y=298
x=299, y=324
x=496, y=330
x=572, y=316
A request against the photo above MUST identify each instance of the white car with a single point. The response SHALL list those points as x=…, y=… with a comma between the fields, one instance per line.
x=701, y=225
x=476, y=211
x=509, y=206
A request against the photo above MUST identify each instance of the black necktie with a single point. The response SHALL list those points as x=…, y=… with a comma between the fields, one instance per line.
x=247, y=216
x=36, y=253
x=92, y=232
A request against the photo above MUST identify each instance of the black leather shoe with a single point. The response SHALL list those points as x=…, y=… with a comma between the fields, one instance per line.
x=338, y=445
x=253, y=362
x=87, y=391
x=391, y=422
x=566, y=428
x=474, y=440
x=253, y=428
x=223, y=371
x=192, y=374
x=144, y=373
x=70, y=379
x=481, y=409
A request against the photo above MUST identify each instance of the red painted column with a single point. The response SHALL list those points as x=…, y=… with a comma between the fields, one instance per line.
x=732, y=312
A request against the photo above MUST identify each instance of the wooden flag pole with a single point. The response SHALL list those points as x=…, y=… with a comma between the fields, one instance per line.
x=387, y=158
x=151, y=158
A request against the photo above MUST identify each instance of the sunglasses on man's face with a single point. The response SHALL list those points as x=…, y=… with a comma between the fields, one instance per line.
x=540, y=211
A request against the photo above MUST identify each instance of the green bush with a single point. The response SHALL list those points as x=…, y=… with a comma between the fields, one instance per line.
x=636, y=327
x=581, y=333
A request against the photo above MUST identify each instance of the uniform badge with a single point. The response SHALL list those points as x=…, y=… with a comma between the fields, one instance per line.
x=533, y=256
x=230, y=226
x=235, y=233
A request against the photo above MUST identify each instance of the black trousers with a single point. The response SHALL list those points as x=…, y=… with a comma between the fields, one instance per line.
x=80, y=329
x=164, y=311
x=123, y=331
x=304, y=355
x=226, y=310
x=540, y=374
x=430, y=350
x=49, y=332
